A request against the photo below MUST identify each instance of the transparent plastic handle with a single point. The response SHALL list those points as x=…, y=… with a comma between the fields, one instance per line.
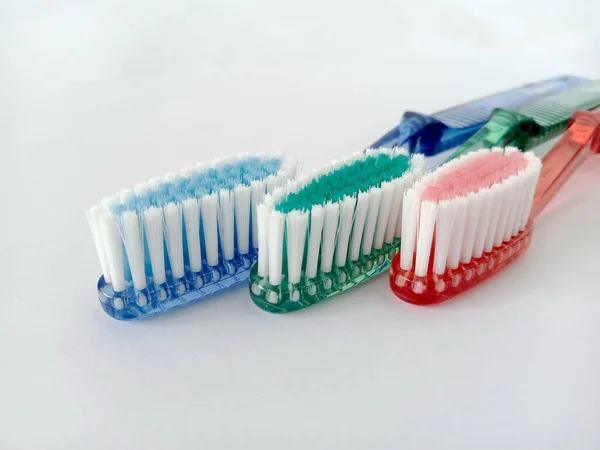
x=480, y=110
x=580, y=140
x=451, y=127
x=536, y=123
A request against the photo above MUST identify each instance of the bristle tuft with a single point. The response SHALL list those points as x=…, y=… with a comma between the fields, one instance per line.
x=184, y=222
x=466, y=207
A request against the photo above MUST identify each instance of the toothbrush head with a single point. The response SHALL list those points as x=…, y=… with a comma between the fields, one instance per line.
x=330, y=231
x=463, y=223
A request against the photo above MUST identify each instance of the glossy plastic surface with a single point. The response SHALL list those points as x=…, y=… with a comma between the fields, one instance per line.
x=133, y=304
x=287, y=298
x=434, y=288
x=450, y=128
x=538, y=122
x=581, y=139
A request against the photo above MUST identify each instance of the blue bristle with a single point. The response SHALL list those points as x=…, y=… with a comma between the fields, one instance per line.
x=212, y=174
x=126, y=264
x=131, y=204
x=233, y=182
x=143, y=203
x=211, y=180
x=161, y=200
x=200, y=192
x=118, y=209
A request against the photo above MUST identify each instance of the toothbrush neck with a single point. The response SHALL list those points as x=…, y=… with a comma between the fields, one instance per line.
x=581, y=139
x=506, y=127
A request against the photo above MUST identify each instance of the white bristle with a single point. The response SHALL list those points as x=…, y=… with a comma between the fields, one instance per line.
x=317, y=217
x=532, y=175
x=278, y=193
x=272, y=182
x=154, y=183
x=257, y=189
x=92, y=215
x=296, y=225
x=395, y=210
x=487, y=202
x=170, y=177
x=468, y=225
x=371, y=222
x=114, y=250
x=417, y=165
x=184, y=229
x=360, y=217
x=345, y=227
x=387, y=195
x=227, y=223
x=153, y=221
x=263, y=214
x=336, y=164
x=497, y=197
x=210, y=227
x=408, y=180
x=191, y=218
x=140, y=189
x=510, y=194
x=330, y=225
x=126, y=195
x=425, y=237
x=242, y=218
x=186, y=172
x=443, y=231
x=174, y=238
x=340, y=229
x=134, y=247
x=410, y=214
x=458, y=232
x=525, y=203
x=275, y=249
x=515, y=207
x=471, y=223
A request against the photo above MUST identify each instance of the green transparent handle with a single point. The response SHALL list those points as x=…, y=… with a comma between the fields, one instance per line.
x=533, y=124
x=506, y=127
x=287, y=297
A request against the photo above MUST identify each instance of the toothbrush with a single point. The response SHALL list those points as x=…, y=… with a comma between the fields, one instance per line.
x=474, y=215
x=336, y=228
x=177, y=239
x=447, y=129
x=535, y=123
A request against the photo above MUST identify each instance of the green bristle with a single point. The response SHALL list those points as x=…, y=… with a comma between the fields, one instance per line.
x=331, y=275
x=348, y=180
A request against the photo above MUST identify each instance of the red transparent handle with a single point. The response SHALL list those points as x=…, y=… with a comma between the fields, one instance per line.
x=581, y=138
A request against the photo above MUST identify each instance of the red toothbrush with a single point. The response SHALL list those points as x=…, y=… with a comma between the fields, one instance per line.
x=470, y=218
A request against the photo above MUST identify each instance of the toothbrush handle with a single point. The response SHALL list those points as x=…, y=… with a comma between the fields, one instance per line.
x=405, y=132
x=506, y=127
x=581, y=139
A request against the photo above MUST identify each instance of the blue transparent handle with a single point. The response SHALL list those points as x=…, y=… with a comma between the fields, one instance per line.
x=452, y=127
x=157, y=298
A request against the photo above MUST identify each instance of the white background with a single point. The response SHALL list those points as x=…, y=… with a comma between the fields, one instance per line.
x=98, y=95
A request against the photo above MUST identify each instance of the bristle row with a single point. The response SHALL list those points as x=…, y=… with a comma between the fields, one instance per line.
x=315, y=238
x=491, y=204
x=141, y=234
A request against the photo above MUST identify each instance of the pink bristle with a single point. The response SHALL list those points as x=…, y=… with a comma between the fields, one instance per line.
x=480, y=172
x=475, y=197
